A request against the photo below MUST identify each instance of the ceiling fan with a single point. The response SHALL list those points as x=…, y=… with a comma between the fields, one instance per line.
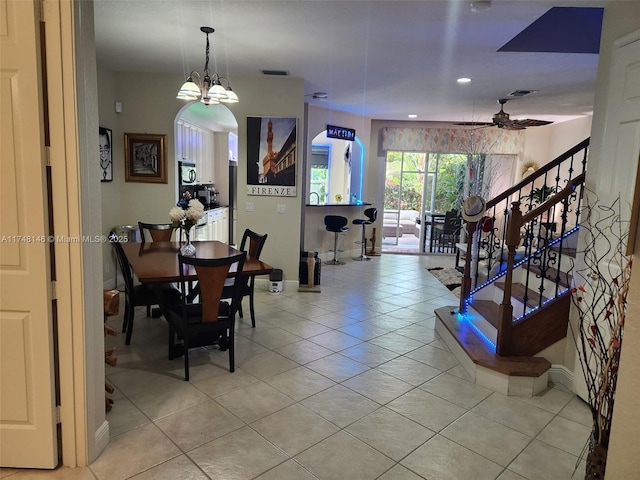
x=502, y=120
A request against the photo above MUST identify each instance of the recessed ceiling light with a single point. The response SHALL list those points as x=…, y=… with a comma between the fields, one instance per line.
x=463, y=80
x=412, y=115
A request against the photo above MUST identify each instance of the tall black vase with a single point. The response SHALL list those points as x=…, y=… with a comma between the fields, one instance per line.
x=596, y=459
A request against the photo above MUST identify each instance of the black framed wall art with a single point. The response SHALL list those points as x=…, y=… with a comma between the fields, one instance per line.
x=271, y=156
x=105, y=136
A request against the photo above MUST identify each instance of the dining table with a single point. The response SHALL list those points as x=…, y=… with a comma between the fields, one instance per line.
x=157, y=262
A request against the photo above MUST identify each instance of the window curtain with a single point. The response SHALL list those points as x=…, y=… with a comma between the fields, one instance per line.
x=453, y=140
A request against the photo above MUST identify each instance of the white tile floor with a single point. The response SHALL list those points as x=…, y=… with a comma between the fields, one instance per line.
x=352, y=383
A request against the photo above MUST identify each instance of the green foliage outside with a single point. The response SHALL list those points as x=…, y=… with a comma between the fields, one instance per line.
x=450, y=169
x=319, y=183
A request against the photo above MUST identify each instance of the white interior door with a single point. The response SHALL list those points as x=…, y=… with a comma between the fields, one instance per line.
x=617, y=167
x=27, y=388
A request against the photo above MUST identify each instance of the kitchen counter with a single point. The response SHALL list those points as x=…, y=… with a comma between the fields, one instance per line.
x=318, y=239
x=361, y=204
x=214, y=225
x=211, y=207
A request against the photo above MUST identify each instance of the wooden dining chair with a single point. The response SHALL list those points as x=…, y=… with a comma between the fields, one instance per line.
x=207, y=319
x=159, y=232
x=135, y=295
x=252, y=243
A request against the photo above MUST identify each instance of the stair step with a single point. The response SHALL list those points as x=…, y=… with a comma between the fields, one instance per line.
x=518, y=291
x=481, y=354
x=551, y=274
x=489, y=310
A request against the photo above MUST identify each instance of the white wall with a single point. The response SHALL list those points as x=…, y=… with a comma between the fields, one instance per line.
x=543, y=144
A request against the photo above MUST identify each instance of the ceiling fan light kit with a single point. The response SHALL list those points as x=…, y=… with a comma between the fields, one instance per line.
x=208, y=88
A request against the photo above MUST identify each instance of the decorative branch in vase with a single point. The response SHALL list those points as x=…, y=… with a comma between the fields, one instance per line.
x=601, y=304
x=185, y=215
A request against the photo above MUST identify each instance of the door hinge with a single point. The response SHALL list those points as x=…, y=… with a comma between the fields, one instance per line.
x=47, y=156
x=58, y=414
x=54, y=290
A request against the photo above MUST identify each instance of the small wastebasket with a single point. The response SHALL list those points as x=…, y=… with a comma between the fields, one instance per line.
x=275, y=281
x=127, y=233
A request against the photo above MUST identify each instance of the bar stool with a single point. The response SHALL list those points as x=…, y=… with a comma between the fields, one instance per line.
x=336, y=224
x=371, y=214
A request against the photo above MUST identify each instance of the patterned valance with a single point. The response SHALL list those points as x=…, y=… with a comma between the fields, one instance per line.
x=453, y=140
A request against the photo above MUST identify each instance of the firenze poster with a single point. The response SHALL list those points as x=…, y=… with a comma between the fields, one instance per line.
x=271, y=156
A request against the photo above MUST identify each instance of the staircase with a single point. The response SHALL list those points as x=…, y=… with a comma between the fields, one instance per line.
x=515, y=300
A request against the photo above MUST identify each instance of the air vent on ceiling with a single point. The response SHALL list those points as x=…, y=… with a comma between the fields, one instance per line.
x=521, y=93
x=276, y=73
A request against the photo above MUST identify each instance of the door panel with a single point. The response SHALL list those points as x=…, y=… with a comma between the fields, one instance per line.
x=27, y=388
x=617, y=168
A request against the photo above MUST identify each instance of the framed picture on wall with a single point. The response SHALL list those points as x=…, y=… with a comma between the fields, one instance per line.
x=145, y=158
x=271, y=156
x=106, y=160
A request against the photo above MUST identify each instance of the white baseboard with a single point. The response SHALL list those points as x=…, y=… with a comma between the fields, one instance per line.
x=559, y=374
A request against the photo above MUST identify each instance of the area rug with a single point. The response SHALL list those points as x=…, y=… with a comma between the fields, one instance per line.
x=449, y=277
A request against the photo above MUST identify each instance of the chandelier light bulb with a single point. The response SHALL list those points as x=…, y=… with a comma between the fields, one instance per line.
x=231, y=97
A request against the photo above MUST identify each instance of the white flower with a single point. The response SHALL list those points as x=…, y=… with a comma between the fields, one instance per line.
x=195, y=211
x=186, y=216
x=176, y=214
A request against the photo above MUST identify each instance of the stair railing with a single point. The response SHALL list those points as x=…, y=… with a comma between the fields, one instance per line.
x=544, y=256
x=488, y=248
x=529, y=233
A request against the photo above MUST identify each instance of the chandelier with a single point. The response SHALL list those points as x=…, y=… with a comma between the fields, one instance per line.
x=209, y=89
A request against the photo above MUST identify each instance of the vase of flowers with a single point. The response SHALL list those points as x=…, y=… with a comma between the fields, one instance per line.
x=185, y=215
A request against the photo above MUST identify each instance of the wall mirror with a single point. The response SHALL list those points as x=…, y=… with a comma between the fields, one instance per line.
x=335, y=170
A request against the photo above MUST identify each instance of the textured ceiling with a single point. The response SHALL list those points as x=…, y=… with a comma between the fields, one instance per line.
x=383, y=59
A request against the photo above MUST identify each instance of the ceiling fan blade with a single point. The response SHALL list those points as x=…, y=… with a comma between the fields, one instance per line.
x=513, y=126
x=531, y=123
x=474, y=124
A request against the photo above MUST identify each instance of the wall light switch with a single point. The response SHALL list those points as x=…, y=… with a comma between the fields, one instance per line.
x=118, y=107
x=248, y=207
x=282, y=208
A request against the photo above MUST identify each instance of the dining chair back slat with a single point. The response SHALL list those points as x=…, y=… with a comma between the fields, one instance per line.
x=159, y=232
x=211, y=280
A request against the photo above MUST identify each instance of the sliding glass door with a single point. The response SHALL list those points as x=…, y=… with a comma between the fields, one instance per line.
x=404, y=193
x=416, y=186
